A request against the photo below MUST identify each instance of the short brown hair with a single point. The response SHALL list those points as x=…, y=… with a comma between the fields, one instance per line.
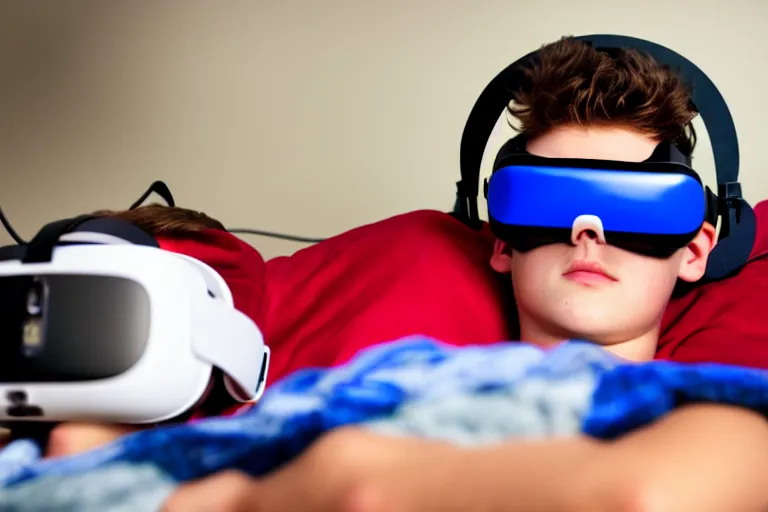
x=160, y=220
x=570, y=82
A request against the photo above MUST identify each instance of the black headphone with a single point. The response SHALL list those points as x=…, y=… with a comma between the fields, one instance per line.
x=738, y=228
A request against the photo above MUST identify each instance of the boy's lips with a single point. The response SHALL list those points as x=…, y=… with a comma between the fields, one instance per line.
x=588, y=272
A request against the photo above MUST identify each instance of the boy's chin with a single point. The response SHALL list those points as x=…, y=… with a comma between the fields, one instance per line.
x=636, y=345
x=597, y=332
x=590, y=327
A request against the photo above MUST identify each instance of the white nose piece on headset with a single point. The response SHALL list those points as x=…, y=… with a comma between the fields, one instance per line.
x=587, y=223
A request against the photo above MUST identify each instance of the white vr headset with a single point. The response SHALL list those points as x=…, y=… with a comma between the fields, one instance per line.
x=99, y=323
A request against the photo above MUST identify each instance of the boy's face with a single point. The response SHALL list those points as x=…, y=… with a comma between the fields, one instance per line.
x=617, y=296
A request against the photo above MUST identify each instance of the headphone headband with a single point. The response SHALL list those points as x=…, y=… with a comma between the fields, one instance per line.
x=705, y=96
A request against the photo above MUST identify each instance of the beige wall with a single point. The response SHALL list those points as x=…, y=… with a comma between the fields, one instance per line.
x=260, y=112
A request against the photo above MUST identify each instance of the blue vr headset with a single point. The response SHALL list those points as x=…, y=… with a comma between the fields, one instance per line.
x=654, y=207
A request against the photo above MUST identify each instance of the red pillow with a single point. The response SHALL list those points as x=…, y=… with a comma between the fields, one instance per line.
x=419, y=273
x=724, y=322
x=426, y=273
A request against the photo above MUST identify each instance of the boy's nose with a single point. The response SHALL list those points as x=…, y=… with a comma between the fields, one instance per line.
x=589, y=226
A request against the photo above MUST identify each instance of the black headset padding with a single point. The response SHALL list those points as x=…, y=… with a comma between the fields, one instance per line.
x=12, y=252
x=736, y=242
x=41, y=243
x=40, y=248
x=119, y=228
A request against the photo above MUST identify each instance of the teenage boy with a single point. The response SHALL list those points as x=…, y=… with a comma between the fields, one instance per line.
x=578, y=103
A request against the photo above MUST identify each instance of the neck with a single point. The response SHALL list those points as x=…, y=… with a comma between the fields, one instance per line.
x=637, y=348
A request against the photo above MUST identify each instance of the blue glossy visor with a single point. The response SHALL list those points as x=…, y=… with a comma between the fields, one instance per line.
x=650, y=208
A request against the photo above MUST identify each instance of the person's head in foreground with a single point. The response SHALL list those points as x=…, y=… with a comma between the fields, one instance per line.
x=160, y=222
x=581, y=103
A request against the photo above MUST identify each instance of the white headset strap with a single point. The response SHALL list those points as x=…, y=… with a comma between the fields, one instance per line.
x=213, y=279
x=229, y=340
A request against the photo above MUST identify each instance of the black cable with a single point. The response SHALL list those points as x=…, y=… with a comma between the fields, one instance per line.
x=762, y=256
x=282, y=236
x=10, y=230
x=291, y=238
x=159, y=188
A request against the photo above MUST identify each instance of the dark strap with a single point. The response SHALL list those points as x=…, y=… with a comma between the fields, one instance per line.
x=50, y=237
x=40, y=249
x=118, y=228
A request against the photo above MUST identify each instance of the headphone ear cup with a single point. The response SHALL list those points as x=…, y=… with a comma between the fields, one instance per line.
x=733, y=251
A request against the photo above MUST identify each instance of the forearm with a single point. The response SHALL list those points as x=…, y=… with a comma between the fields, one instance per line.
x=524, y=476
x=703, y=458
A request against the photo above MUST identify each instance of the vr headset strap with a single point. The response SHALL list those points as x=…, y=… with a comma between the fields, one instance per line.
x=40, y=249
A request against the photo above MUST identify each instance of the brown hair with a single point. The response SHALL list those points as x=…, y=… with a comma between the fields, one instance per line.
x=570, y=82
x=157, y=219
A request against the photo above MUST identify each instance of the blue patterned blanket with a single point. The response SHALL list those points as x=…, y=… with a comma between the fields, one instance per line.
x=413, y=387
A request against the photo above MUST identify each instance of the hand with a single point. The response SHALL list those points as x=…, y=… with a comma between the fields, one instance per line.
x=74, y=438
x=348, y=470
